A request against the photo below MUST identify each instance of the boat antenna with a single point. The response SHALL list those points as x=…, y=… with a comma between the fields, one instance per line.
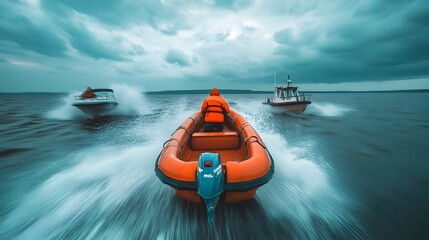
x=275, y=78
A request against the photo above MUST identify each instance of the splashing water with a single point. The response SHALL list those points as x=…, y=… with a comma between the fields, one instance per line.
x=66, y=111
x=167, y=122
x=301, y=190
x=131, y=100
x=112, y=193
x=105, y=180
x=328, y=109
x=87, y=192
x=94, y=179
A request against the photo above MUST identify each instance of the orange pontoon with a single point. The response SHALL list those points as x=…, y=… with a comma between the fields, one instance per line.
x=243, y=158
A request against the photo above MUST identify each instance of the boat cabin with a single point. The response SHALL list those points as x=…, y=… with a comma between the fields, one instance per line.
x=287, y=92
x=97, y=94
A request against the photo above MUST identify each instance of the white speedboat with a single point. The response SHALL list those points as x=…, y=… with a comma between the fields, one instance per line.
x=288, y=98
x=96, y=102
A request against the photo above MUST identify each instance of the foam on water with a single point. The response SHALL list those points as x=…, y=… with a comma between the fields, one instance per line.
x=101, y=181
x=323, y=188
x=303, y=193
x=171, y=118
x=66, y=110
x=131, y=100
x=112, y=193
x=301, y=190
x=328, y=109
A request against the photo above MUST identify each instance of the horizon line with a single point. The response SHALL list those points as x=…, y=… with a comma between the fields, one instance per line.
x=196, y=91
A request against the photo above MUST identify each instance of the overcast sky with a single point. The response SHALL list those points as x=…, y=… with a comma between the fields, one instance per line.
x=65, y=45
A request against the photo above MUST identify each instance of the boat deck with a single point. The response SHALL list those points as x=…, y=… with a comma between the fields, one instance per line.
x=231, y=147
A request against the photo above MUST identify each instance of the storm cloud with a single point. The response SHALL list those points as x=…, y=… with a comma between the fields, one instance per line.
x=30, y=33
x=210, y=43
x=175, y=56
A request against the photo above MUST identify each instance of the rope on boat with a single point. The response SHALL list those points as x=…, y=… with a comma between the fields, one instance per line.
x=257, y=141
x=169, y=140
x=244, y=125
x=182, y=127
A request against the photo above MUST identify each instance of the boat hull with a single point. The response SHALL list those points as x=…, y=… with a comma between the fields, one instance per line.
x=246, y=162
x=95, y=109
x=227, y=197
x=296, y=107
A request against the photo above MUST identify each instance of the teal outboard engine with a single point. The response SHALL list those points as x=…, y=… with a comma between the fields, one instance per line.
x=210, y=181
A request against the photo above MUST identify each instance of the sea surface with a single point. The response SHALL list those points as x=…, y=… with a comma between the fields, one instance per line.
x=352, y=166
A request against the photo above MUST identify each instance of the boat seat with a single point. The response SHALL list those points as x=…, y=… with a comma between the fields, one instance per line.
x=215, y=140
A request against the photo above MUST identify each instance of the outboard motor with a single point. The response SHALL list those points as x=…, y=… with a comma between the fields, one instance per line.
x=210, y=181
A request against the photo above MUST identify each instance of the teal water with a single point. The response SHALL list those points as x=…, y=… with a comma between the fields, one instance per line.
x=354, y=166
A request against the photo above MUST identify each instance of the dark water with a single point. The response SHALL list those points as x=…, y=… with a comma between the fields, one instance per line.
x=353, y=166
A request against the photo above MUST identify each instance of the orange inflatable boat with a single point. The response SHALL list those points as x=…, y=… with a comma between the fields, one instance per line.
x=229, y=165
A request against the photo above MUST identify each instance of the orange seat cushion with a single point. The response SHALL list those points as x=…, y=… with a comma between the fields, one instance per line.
x=215, y=140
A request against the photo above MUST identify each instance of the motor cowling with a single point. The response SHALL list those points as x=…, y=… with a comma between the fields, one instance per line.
x=210, y=181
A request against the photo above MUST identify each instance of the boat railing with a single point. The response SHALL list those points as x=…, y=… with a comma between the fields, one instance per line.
x=96, y=98
x=304, y=97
